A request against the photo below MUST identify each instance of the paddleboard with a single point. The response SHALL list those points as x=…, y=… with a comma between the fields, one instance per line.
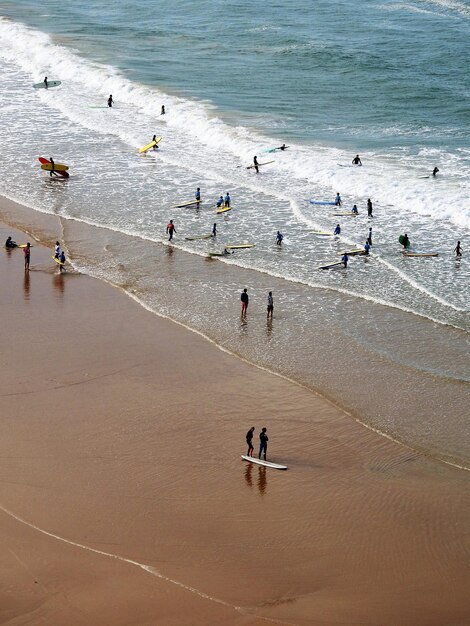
x=324, y=202
x=224, y=209
x=198, y=237
x=240, y=246
x=50, y=83
x=347, y=213
x=57, y=261
x=252, y=459
x=189, y=203
x=320, y=233
x=248, y=167
x=150, y=145
x=331, y=265
x=425, y=254
x=401, y=239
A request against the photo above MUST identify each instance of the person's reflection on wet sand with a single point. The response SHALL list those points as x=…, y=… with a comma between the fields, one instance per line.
x=262, y=480
x=249, y=474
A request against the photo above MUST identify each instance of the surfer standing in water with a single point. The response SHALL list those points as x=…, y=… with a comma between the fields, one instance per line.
x=249, y=441
x=405, y=241
x=227, y=200
x=27, y=256
x=163, y=110
x=345, y=259
x=255, y=164
x=338, y=199
x=270, y=305
x=214, y=230
x=53, y=167
x=170, y=229
x=263, y=443
x=244, y=299
x=279, y=238
x=369, y=237
x=46, y=83
x=435, y=170
x=458, y=250
x=369, y=208
x=9, y=243
x=154, y=138
x=110, y=100
x=357, y=160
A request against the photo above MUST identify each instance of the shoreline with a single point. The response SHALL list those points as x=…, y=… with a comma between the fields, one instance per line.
x=146, y=461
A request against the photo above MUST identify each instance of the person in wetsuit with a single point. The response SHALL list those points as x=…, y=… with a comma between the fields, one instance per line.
x=197, y=195
x=227, y=200
x=345, y=259
x=279, y=238
x=270, y=305
x=367, y=247
x=214, y=230
x=53, y=167
x=405, y=242
x=163, y=110
x=249, y=441
x=46, y=84
x=357, y=160
x=337, y=229
x=244, y=299
x=354, y=209
x=338, y=199
x=435, y=170
x=369, y=208
x=170, y=229
x=62, y=260
x=110, y=100
x=263, y=443
x=369, y=237
x=458, y=250
x=255, y=163
x=9, y=243
x=154, y=138
x=220, y=202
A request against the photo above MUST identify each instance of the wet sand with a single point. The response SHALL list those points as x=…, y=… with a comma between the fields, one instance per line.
x=124, y=500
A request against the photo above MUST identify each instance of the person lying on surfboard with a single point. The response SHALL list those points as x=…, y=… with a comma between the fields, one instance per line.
x=283, y=147
x=110, y=100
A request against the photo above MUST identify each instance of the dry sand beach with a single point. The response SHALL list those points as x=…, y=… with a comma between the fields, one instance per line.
x=124, y=501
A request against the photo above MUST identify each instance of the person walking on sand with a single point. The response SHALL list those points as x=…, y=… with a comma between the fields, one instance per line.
x=369, y=208
x=338, y=199
x=279, y=238
x=227, y=200
x=62, y=260
x=110, y=101
x=57, y=250
x=369, y=236
x=263, y=443
x=255, y=164
x=458, y=250
x=27, y=256
x=270, y=305
x=249, y=441
x=244, y=300
x=170, y=229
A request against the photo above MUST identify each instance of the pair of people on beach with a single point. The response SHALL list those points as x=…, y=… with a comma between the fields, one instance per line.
x=263, y=442
x=245, y=301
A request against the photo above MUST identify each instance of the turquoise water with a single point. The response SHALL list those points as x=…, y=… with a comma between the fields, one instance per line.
x=369, y=74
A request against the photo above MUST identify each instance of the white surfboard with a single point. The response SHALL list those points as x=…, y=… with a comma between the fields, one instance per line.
x=252, y=459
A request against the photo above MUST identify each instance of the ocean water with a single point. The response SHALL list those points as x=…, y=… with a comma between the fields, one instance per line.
x=387, y=80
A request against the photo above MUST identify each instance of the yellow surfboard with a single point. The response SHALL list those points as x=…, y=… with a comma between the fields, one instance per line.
x=239, y=246
x=57, y=261
x=224, y=209
x=58, y=167
x=150, y=145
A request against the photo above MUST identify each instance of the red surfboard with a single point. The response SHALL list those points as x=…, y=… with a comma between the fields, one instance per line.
x=43, y=161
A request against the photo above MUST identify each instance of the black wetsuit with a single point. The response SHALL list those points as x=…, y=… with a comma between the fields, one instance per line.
x=263, y=444
x=249, y=441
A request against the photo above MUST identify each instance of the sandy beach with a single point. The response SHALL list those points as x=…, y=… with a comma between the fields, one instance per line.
x=124, y=499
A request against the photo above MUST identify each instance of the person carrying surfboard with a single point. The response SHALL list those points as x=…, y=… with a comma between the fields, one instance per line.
x=110, y=101
x=338, y=199
x=61, y=258
x=57, y=250
x=357, y=160
x=263, y=443
x=255, y=164
x=170, y=229
x=227, y=200
x=154, y=138
x=52, y=168
x=249, y=441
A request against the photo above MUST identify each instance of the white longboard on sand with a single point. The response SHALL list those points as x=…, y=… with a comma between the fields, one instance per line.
x=252, y=459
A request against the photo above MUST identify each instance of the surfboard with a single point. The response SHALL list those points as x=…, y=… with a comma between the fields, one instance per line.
x=424, y=177
x=401, y=239
x=189, y=203
x=219, y=253
x=23, y=245
x=224, y=209
x=354, y=252
x=198, y=237
x=274, y=149
x=240, y=246
x=324, y=202
x=331, y=265
x=347, y=213
x=58, y=167
x=320, y=233
x=252, y=459
x=150, y=145
x=98, y=106
x=58, y=261
x=416, y=254
x=248, y=167
x=50, y=83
